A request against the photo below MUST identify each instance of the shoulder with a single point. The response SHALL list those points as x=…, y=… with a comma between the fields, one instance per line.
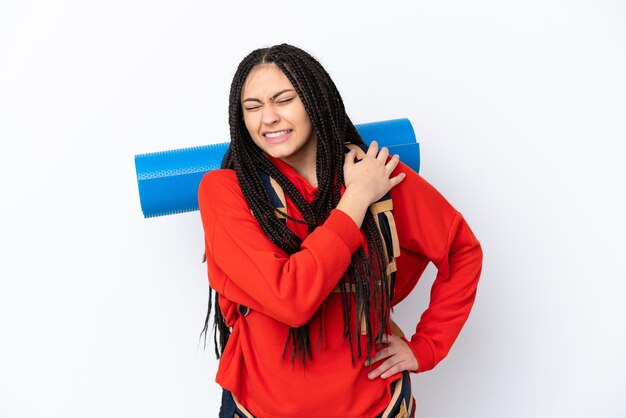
x=216, y=179
x=424, y=218
x=219, y=181
x=414, y=188
x=219, y=188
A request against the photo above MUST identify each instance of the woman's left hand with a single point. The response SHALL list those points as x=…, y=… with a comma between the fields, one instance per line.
x=398, y=355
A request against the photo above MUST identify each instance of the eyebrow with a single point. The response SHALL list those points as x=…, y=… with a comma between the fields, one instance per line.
x=271, y=98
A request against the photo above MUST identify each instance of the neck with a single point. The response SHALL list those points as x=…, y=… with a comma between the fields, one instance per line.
x=305, y=160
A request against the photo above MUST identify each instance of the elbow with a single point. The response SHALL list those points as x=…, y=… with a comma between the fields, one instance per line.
x=472, y=251
x=296, y=305
x=298, y=315
x=478, y=253
x=290, y=310
x=296, y=324
x=475, y=261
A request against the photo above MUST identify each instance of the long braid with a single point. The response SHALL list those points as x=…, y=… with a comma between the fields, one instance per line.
x=323, y=103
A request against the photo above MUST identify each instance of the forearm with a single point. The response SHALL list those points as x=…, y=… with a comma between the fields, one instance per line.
x=452, y=297
x=247, y=268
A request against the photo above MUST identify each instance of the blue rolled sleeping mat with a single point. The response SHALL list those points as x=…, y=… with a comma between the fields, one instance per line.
x=168, y=180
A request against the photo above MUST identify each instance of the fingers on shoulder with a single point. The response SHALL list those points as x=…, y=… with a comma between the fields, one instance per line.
x=372, y=150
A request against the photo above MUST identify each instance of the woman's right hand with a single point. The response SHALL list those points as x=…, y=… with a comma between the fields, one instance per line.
x=367, y=180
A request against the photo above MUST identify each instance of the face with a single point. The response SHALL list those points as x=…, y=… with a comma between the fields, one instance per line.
x=275, y=116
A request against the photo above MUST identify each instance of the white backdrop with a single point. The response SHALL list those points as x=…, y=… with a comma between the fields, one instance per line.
x=520, y=110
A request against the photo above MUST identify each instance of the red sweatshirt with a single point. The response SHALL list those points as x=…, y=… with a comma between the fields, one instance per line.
x=285, y=291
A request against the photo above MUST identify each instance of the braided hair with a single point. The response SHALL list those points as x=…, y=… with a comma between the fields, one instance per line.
x=366, y=274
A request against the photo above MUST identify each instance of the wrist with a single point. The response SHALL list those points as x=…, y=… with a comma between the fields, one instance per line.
x=354, y=205
x=357, y=195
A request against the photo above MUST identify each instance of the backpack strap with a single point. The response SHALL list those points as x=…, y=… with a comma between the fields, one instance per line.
x=383, y=215
x=276, y=194
x=382, y=211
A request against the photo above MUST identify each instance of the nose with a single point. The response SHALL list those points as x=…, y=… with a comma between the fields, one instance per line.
x=270, y=116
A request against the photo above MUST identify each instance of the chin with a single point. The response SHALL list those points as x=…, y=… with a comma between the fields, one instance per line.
x=277, y=150
x=280, y=153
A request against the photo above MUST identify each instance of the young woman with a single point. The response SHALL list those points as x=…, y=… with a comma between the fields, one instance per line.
x=303, y=292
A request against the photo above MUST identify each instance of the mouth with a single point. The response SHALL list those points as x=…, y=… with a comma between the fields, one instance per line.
x=277, y=136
